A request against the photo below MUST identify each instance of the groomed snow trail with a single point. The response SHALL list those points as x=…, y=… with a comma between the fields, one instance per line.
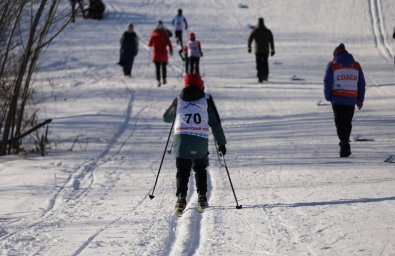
x=90, y=195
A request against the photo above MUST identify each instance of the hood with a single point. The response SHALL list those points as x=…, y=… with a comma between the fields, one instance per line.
x=340, y=54
x=191, y=93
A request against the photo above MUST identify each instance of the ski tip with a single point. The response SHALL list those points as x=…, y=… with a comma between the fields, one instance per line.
x=239, y=206
x=151, y=197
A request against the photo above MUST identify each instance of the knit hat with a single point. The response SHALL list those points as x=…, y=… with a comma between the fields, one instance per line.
x=192, y=36
x=194, y=79
x=160, y=24
x=339, y=50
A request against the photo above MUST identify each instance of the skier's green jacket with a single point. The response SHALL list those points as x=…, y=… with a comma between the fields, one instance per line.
x=188, y=146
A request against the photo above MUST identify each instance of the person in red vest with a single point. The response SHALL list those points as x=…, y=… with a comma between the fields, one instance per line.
x=160, y=43
x=344, y=87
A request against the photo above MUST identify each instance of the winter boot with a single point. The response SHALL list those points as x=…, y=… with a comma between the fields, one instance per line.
x=159, y=84
x=164, y=81
x=180, y=205
x=202, y=201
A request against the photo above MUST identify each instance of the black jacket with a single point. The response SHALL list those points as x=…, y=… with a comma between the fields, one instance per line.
x=129, y=48
x=263, y=38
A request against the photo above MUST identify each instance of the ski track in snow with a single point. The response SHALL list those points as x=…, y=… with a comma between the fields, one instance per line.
x=380, y=36
x=273, y=220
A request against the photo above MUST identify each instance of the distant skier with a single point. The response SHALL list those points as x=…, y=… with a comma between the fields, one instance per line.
x=129, y=49
x=180, y=23
x=193, y=52
x=344, y=87
x=160, y=43
x=194, y=112
x=263, y=38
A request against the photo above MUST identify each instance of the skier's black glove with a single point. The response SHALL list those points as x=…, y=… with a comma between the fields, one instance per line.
x=272, y=53
x=222, y=150
x=249, y=50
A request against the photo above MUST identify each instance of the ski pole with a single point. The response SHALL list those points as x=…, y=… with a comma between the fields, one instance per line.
x=151, y=196
x=226, y=167
x=204, y=69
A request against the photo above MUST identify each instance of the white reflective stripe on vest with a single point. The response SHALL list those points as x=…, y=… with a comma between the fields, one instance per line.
x=193, y=50
x=192, y=118
x=345, y=82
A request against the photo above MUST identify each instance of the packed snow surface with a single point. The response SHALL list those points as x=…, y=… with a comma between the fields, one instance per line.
x=90, y=194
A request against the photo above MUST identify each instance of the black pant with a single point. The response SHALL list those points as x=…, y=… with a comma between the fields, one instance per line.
x=158, y=67
x=178, y=35
x=193, y=65
x=262, y=66
x=183, y=172
x=343, y=121
x=127, y=66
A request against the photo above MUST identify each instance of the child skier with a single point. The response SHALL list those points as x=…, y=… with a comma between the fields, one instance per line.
x=193, y=112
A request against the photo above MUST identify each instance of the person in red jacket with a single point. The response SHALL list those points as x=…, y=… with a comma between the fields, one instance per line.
x=160, y=43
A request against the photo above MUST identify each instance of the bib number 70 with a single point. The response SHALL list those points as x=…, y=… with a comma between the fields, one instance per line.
x=196, y=118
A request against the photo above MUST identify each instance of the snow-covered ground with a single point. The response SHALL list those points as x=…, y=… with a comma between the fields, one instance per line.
x=89, y=195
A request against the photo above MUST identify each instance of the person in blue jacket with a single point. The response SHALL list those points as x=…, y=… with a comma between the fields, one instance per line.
x=344, y=87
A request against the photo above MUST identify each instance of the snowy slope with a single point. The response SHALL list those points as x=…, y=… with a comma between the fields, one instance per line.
x=89, y=195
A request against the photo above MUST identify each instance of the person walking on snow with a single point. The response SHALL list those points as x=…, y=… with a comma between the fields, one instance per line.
x=129, y=49
x=160, y=43
x=263, y=38
x=180, y=23
x=193, y=52
x=344, y=87
x=193, y=112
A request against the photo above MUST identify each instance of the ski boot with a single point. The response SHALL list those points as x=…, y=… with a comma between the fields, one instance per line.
x=180, y=205
x=202, y=201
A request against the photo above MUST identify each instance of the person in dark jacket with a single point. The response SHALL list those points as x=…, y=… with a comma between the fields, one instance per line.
x=344, y=87
x=129, y=50
x=96, y=9
x=263, y=38
x=193, y=112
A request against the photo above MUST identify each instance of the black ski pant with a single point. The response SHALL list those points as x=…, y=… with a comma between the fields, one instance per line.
x=160, y=69
x=178, y=35
x=194, y=65
x=183, y=172
x=127, y=66
x=262, y=66
x=343, y=121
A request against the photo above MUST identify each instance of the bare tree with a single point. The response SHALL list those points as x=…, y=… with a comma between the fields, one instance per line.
x=27, y=28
